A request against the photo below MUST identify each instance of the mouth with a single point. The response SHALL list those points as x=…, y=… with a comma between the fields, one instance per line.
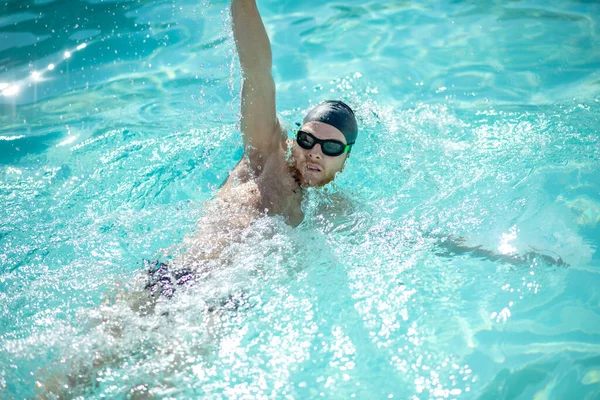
x=313, y=168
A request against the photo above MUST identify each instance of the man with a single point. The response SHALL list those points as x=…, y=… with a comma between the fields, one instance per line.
x=274, y=172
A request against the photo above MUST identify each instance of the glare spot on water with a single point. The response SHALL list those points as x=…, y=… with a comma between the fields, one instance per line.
x=505, y=247
x=70, y=139
x=503, y=316
x=591, y=377
x=11, y=170
x=11, y=91
x=7, y=138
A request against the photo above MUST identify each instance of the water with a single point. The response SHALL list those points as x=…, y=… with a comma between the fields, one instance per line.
x=478, y=121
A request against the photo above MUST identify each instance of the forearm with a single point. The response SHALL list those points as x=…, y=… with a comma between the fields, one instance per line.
x=251, y=38
x=455, y=246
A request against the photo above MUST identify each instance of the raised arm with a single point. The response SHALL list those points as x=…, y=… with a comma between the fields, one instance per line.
x=260, y=127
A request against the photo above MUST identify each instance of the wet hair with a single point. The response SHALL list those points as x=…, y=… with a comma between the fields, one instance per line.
x=337, y=114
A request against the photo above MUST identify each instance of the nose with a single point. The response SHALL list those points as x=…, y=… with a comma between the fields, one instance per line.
x=315, y=153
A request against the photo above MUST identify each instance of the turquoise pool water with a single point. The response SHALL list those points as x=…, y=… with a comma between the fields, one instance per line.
x=479, y=119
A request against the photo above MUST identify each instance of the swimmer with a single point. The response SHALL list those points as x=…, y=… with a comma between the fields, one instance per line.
x=274, y=172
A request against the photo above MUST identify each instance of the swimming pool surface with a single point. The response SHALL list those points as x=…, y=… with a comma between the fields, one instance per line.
x=479, y=120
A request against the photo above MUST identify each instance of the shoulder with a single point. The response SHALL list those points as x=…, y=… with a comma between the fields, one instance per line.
x=253, y=165
x=257, y=157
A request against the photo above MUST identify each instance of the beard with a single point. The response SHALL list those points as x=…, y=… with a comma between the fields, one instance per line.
x=297, y=174
x=299, y=178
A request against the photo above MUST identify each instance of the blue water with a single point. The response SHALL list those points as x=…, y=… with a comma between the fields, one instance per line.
x=479, y=120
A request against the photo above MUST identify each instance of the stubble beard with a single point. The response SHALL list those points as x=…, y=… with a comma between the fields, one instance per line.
x=297, y=174
x=299, y=177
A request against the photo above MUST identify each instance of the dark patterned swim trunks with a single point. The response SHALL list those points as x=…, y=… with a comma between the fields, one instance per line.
x=162, y=279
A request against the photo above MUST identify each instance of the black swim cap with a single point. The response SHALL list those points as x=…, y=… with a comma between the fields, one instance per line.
x=337, y=114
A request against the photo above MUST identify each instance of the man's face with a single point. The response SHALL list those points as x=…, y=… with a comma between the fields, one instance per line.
x=316, y=168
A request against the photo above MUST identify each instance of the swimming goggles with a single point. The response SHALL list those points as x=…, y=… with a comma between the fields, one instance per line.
x=329, y=147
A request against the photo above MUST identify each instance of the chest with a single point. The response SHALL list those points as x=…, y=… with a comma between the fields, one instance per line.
x=273, y=191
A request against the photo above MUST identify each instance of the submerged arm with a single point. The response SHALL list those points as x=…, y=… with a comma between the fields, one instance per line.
x=450, y=246
x=260, y=127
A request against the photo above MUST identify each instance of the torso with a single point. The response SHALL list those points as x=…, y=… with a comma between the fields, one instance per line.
x=251, y=191
x=268, y=188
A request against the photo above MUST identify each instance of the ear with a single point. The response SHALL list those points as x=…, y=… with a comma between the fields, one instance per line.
x=344, y=163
